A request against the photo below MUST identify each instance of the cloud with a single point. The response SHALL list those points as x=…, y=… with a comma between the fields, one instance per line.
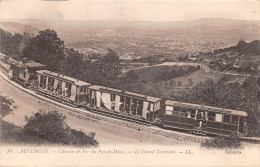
x=126, y=10
x=16, y=9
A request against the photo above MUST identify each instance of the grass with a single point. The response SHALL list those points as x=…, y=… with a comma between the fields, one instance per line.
x=147, y=82
x=151, y=74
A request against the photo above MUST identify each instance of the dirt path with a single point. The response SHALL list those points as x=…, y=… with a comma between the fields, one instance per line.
x=106, y=133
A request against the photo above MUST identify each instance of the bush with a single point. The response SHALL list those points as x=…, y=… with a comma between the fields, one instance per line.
x=52, y=127
x=232, y=141
x=172, y=83
x=132, y=76
x=5, y=106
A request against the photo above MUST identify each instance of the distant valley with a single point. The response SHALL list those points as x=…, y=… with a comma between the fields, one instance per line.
x=141, y=39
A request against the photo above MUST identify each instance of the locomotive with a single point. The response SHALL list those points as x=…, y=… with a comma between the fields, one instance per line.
x=24, y=73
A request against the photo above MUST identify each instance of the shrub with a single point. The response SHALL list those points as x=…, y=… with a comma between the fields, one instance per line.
x=132, y=76
x=232, y=141
x=172, y=83
x=81, y=139
x=52, y=127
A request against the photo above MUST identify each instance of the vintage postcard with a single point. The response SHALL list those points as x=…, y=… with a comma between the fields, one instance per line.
x=129, y=83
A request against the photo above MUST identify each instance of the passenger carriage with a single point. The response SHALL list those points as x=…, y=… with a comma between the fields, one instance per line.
x=123, y=102
x=204, y=119
x=62, y=88
x=25, y=74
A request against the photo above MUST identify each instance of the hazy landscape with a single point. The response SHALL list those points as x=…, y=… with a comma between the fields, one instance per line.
x=210, y=44
x=203, y=61
x=142, y=39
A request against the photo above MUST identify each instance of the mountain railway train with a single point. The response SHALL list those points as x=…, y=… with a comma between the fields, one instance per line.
x=198, y=119
x=25, y=74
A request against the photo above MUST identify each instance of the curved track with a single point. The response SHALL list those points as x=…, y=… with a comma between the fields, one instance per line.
x=108, y=130
x=108, y=127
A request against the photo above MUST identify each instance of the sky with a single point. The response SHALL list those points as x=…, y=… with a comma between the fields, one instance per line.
x=126, y=10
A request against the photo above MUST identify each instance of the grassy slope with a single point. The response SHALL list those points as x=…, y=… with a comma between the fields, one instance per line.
x=196, y=77
x=148, y=74
x=167, y=88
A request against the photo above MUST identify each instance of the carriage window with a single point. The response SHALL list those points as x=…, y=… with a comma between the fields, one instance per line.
x=169, y=108
x=234, y=119
x=81, y=89
x=193, y=113
x=211, y=116
x=112, y=97
x=182, y=113
x=226, y=118
x=218, y=117
x=176, y=110
x=187, y=112
x=149, y=106
x=168, y=112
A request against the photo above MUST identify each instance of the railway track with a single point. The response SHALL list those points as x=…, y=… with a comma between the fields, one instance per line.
x=120, y=119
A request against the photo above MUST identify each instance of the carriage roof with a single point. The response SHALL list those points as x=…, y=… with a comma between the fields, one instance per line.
x=34, y=65
x=63, y=77
x=208, y=108
x=117, y=91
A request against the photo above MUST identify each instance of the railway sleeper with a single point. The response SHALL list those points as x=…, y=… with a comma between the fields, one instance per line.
x=198, y=132
x=57, y=99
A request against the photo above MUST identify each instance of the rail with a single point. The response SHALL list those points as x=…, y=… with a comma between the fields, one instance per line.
x=5, y=69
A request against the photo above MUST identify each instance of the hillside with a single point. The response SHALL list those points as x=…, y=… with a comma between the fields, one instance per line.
x=241, y=58
x=20, y=28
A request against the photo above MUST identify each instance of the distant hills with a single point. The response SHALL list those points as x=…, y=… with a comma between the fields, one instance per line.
x=20, y=28
x=242, y=47
x=144, y=38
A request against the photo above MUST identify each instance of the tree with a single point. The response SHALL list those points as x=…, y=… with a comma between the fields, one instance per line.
x=72, y=64
x=52, y=126
x=11, y=45
x=226, y=95
x=5, y=105
x=105, y=70
x=46, y=48
x=132, y=76
x=216, y=94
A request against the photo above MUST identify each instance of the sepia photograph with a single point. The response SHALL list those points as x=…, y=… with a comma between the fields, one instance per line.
x=129, y=83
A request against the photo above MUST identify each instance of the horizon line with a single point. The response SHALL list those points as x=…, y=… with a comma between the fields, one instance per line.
x=202, y=18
